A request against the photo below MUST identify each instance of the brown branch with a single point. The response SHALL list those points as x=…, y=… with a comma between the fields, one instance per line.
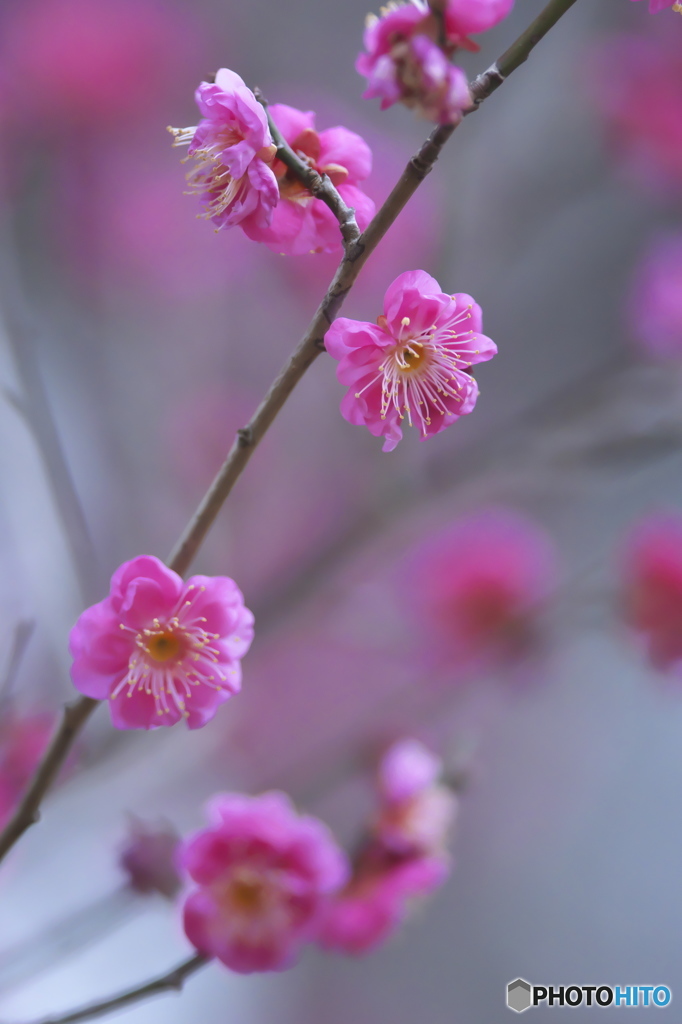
x=307, y=350
x=319, y=185
x=26, y=814
x=171, y=981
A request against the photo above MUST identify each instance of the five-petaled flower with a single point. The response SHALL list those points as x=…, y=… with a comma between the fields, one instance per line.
x=232, y=147
x=301, y=223
x=264, y=874
x=414, y=362
x=160, y=649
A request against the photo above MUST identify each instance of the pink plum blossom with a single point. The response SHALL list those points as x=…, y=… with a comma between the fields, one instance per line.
x=148, y=858
x=159, y=649
x=637, y=85
x=263, y=875
x=652, y=580
x=414, y=362
x=232, y=147
x=479, y=587
x=300, y=223
x=377, y=902
x=404, y=65
x=404, y=857
x=417, y=811
x=654, y=308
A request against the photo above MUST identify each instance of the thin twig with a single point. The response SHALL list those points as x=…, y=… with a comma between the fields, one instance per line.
x=34, y=407
x=319, y=185
x=74, y=717
x=22, y=636
x=308, y=349
x=172, y=981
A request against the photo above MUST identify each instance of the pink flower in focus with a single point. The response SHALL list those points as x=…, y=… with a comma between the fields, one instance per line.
x=23, y=739
x=652, y=578
x=403, y=64
x=159, y=649
x=654, y=308
x=302, y=224
x=148, y=858
x=232, y=148
x=264, y=874
x=637, y=84
x=377, y=902
x=480, y=585
x=413, y=362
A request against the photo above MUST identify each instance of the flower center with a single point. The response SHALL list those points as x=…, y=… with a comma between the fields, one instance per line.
x=410, y=358
x=247, y=892
x=163, y=646
x=171, y=657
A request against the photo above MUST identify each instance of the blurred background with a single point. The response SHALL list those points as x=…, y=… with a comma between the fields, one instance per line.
x=135, y=340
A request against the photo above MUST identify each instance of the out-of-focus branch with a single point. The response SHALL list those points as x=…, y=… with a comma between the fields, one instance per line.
x=319, y=185
x=307, y=350
x=22, y=636
x=173, y=981
x=74, y=717
x=33, y=406
x=61, y=939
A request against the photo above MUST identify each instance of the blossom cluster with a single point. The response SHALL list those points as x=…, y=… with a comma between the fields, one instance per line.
x=408, y=50
x=239, y=180
x=405, y=856
x=265, y=880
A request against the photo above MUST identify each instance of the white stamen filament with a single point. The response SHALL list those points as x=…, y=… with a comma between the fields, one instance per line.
x=421, y=371
x=170, y=681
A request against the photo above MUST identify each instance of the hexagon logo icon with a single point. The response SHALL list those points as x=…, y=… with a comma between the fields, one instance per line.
x=518, y=995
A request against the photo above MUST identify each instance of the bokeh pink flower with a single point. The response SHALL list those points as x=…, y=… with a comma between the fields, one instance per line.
x=263, y=875
x=652, y=588
x=654, y=305
x=161, y=650
x=147, y=858
x=416, y=811
x=74, y=64
x=413, y=363
x=468, y=17
x=405, y=856
x=479, y=588
x=636, y=82
x=232, y=148
x=300, y=223
x=660, y=5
